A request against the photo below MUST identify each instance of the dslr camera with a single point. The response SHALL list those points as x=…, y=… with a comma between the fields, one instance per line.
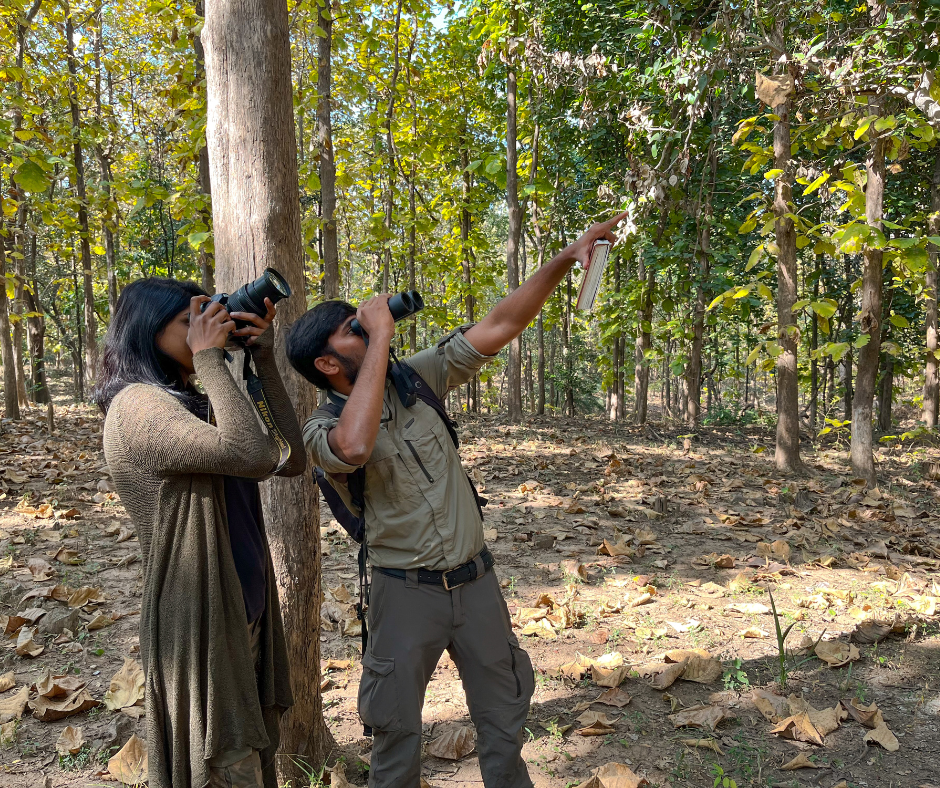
x=250, y=297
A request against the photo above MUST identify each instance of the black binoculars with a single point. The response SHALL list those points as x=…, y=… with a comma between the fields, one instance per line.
x=250, y=297
x=401, y=306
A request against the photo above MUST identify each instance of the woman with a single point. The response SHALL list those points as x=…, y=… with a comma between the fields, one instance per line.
x=186, y=466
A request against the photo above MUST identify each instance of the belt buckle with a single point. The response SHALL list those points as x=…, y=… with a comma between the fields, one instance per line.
x=447, y=586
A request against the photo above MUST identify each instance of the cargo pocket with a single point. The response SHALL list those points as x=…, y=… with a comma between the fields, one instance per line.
x=378, y=695
x=397, y=483
x=522, y=669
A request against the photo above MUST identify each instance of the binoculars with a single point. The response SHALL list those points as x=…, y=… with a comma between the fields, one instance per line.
x=250, y=297
x=401, y=306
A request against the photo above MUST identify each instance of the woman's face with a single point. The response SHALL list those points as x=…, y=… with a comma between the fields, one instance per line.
x=172, y=341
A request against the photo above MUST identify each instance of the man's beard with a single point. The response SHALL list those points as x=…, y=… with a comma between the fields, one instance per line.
x=349, y=365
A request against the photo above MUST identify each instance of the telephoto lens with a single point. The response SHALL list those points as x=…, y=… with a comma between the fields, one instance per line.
x=401, y=305
x=250, y=297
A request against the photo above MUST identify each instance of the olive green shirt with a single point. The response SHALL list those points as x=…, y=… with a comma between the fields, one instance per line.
x=420, y=509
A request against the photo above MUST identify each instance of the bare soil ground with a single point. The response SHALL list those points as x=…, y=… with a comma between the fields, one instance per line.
x=629, y=557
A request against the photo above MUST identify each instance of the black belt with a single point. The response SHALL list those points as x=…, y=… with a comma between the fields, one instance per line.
x=451, y=579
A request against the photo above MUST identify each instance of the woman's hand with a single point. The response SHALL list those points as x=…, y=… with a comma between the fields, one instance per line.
x=258, y=324
x=210, y=328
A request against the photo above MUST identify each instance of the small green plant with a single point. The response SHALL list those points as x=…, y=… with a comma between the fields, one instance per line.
x=313, y=776
x=735, y=677
x=721, y=781
x=782, y=635
x=79, y=760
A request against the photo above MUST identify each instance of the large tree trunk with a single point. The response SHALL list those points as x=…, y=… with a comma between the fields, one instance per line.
x=256, y=216
x=88, y=281
x=863, y=460
x=11, y=402
x=327, y=162
x=787, y=454
x=514, y=367
x=390, y=153
x=206, y=258
x=931, y=378
x=641, y=372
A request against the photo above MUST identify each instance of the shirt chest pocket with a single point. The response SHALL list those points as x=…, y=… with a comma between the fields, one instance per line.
x=423, y=435
x=387, y=469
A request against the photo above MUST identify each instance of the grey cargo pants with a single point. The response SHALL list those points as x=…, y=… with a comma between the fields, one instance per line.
x=410, y=625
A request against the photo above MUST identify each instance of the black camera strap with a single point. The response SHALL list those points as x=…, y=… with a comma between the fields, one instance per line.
x=256, y=392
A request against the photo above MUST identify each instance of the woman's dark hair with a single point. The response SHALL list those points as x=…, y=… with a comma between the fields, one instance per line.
x=131, y=355
x=309, y=338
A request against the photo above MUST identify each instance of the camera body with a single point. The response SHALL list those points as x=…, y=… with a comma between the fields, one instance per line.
x=250, y=297
x=401, y=306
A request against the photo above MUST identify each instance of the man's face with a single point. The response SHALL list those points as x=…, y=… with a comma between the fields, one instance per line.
x=348, y=349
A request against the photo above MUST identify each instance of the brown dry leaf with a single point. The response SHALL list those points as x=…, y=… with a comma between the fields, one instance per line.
x=774, y=707
x=541, y=628
x=869, y=716
x=101, y=621
x=40, y=569
x=599, y=727
x=614, y=550
x=801, y=761
x=8, y=732
x=453, y=745
x=67, y=556
x=668, y=675
x=338, y=776
x=871, y=631
x=683, y=654
x=700, y=717
x=70, y=741
x=835, y=653
x=774, y=90
x=609, y=677
x=702, y=671
x=129, y=765
x=645, y=597
x=82, y=596
x=749, y=608
x=26, y=645
x=881, y=735
x=7, y=681
x=708, y=744
x=615, y=775
x=753, y=632
x=741, y=582
x=614, y=697
x=338, y=664
x=575, y=569
x=712, y=589
x=798, y=727
x=49, y=686
x=721, y=561
x=127, y=686
x=12, y=707
x=46, y=710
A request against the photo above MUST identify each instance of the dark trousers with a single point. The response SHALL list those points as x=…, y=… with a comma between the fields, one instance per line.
x=410, y=625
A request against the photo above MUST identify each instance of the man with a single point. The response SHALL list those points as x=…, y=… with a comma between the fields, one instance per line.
x=432, y=584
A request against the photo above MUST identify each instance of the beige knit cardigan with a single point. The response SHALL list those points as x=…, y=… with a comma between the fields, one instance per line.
x=203, y=697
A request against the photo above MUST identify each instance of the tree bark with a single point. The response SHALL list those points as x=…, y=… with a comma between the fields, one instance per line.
x=36, y=334
x=109, y=212
x=206, y=258
x=886, y=394
x=641, y=372
x=863, y=460
x=256, y=216
x=327, y=161
x=693, y=411
x=11, y=402
x=787, y=454
x=514, y=366
x=88, y=281
x=814, y=364
x=466, y=255
x=931, y=377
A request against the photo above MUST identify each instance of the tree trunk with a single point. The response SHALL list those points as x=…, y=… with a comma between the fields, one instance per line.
x=863, y=460
x=693, y=377
x=514, y=366
x=814, y=364
x=256, y=216
x=327, y=161
x=390, y=153
x=569, y=355
x=641, y=371
x=11, y=402
x=886, y=394
x=466, y=255
x=931, y=377
x=787, y=454
x=19, y=267
x=36, y=334
x=88, y=281
x=206, y=258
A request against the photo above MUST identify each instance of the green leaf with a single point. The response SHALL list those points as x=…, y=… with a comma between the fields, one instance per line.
x=862, y=340
x=752, y=356
x=773, y=349
x=749, y=225
x=825, y=308
x=31, y=177
x=765, y=291
x=817, y=183
x=196, y=240
x=755, y=257
x=900, y=321
x=771, y=174
x=863, y=127
x=799, y=305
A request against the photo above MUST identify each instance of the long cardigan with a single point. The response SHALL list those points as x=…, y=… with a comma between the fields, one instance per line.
x=202, y=694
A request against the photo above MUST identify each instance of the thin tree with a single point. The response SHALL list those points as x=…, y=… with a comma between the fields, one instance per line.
x=931, y=378
x=250, y=132
x=327, y=162
x=514, y=366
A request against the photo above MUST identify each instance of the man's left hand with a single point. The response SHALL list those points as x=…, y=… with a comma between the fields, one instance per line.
x=580, y=250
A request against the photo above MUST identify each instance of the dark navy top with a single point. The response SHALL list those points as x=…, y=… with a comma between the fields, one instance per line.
x=243, y=505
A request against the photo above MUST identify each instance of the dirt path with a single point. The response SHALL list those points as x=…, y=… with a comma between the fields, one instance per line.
x=618, y=549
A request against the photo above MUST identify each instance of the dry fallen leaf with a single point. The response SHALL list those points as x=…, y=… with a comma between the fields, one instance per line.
x=801, y=761
x=26, y=645
x=12, y=707
x=836, y=653
x=338, y=664
x=49, y=686
x=609, y=677
x=40, y=569
x=708, y=744
x=7, y=681
x=101, y=621
x=615, y=775
x=881, y=735
x=699, y=717
x=702, y=671
x=871, y=631
x=869, y=716
x=8, y=732
x=753, y=632
x=774, y=707
x=82, y=596
x=668, y=675
x=129, y=765
x=70, y=741
x=127, y=686
x=749, y=608
x=453, y=745
x=338, y=776
x=614, y=697
x=47, y=710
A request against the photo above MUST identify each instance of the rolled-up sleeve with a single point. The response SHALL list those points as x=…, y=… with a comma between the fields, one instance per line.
x=316, y=430
x=451, y=363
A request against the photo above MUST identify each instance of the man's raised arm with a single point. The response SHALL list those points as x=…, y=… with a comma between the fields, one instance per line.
x=509, y=318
